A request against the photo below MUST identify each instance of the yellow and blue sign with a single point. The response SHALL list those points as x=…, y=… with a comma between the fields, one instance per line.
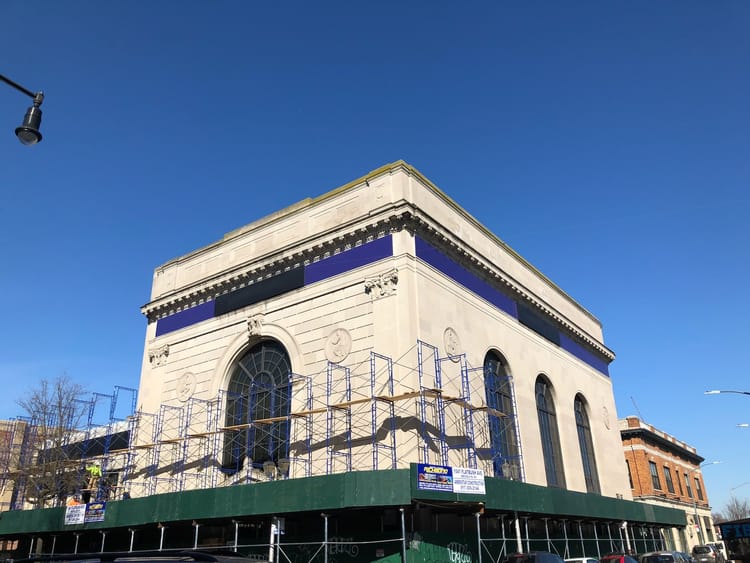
x=434, y=477
x=450, y=479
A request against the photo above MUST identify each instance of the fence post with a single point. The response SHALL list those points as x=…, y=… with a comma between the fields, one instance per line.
x=479, y=538
x=403, y=536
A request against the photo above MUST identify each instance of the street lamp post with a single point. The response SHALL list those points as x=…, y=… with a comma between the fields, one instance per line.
x=695, y=501
x=28, y=132
x=738, y=486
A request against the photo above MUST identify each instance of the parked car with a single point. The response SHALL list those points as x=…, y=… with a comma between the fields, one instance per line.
x=212, y=556
x=665, y=557
x=534, y=557
x=707, y=554
x=582, y=560
x=719, y=547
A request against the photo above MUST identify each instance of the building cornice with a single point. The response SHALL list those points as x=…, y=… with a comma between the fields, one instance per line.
x=305, y=252
x=468, y=256
x=391, y=220
x=388, y=169
x=671, y=446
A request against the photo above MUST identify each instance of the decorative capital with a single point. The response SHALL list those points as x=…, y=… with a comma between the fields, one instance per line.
x=382, y=285
x=255, y=325
x=158, y=356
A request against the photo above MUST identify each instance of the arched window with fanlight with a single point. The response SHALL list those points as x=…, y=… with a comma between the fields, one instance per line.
x=545, y=408
x=586, y=445
x=504, y=450
x=257, y=407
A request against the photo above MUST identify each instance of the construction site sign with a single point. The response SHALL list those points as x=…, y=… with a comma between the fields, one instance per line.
x=75, y=514
x=85, y=513
x=450, y=479
x=466, y=480
x=95, y=512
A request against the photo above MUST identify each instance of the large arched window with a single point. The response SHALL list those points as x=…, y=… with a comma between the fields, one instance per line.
x=257, y=407
x=506, y=460
x=545, y=409
x=586, y=445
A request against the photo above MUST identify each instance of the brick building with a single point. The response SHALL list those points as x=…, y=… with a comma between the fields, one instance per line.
x=665, y=471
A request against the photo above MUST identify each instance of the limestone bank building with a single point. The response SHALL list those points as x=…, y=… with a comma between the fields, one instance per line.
x=373, y=371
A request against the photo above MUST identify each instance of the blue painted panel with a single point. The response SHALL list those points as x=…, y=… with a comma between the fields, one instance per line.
x=584, y=354
x=349, y=259
x=538, y=323
x=458, y=273
x=259, y=291
x=185, y=318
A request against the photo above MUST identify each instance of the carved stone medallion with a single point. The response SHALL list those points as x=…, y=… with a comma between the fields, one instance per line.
x=338, y=345
x=185, y=387
x=451, y=342
x=605, y=416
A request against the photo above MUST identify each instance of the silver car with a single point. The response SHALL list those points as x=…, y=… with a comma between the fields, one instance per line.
x=663, y=557
x=707, y=554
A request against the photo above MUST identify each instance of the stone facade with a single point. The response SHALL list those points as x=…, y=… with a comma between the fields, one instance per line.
x=387, y=298
x=12, y=441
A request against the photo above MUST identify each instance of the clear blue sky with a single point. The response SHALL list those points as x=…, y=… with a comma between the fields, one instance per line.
x=607, y=142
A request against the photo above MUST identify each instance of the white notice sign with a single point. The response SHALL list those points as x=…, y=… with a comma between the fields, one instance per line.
x=75, y=514
x=467, y=480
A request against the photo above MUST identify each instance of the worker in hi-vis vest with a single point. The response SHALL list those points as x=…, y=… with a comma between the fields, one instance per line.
x=95, y=473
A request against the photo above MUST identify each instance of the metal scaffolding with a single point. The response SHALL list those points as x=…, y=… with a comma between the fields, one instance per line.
x=381, y=414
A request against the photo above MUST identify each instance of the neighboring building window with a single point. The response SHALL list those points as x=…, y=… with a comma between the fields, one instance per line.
x=708, y=528
x=668, y=479
x=698, y=489
x=586, y=445
x=545, y=409
x=687, y=486
x=679, y=482
x=503, y=440
x=630, y=474
x=258, y=389
x=654, y=475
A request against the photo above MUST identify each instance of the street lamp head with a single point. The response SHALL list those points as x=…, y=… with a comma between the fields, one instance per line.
x=712, y=392
x=28, y=132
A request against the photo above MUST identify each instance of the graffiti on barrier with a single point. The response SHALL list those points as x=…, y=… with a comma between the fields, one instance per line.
x=459, y=553
x=343, y=546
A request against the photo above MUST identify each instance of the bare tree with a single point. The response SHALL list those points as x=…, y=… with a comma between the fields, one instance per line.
x=50, y=470
x=735, y=509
